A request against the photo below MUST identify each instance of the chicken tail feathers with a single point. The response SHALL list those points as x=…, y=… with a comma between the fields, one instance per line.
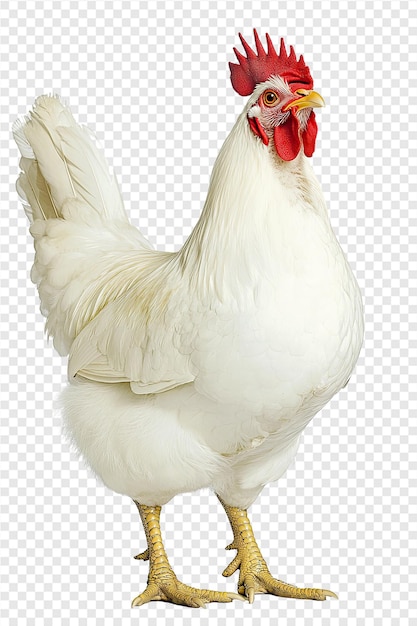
x=61, y=162
x=80, y=229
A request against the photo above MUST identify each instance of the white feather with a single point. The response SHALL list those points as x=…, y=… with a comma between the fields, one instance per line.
x=65, y=176
x=68, y=158
x=20, y=138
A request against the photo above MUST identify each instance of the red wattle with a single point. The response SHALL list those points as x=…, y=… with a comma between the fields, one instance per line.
x=309, y=135
x=287, y=140
x=257, y=129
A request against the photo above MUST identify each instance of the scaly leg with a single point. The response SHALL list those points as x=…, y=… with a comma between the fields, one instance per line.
x=162, y=582
x=254, y=576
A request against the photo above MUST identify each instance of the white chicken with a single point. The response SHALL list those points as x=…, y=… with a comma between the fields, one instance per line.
x=198, y=368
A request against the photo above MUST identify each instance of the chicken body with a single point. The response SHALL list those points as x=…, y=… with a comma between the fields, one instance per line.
x=198, y=368
x=271, y=327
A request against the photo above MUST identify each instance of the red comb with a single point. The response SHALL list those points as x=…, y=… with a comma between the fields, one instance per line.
x=256, y=67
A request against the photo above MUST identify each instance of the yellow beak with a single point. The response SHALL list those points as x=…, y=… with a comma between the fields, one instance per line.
x=309, y=98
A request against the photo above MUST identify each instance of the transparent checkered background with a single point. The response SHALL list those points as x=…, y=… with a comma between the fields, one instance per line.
x=152, y=80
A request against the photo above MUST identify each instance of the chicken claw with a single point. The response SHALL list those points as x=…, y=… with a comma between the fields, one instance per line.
x=162, y=581
x=254, y=575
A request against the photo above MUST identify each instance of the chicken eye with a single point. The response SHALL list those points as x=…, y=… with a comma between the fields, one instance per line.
x=269, y=98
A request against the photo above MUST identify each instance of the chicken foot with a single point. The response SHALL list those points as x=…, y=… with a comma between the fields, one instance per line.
x=162, y=582
x=254, y=576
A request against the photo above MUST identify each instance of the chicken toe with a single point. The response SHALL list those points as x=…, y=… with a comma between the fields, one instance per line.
x=254, y=575
x=170, y=589
x=263, y=582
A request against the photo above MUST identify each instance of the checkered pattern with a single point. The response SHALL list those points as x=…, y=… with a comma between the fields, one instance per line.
x=152, y=80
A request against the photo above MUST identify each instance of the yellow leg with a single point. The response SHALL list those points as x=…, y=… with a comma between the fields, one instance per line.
x=254, y=575
x=162, y=582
